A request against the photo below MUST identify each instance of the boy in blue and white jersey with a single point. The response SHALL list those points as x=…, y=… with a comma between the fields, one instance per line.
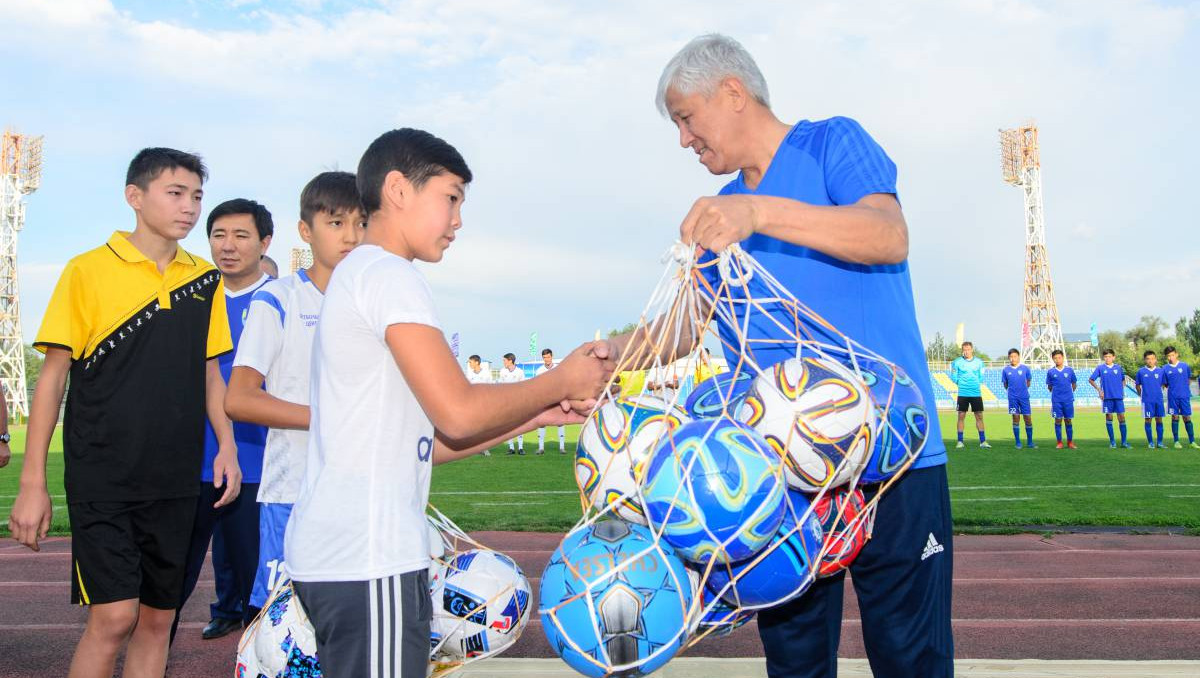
x=1177, y=376
x=1016, y=379
x=1061, y=382
x=1149, y=381
x=1112, y=394
x=967, y=374
x=276, y=350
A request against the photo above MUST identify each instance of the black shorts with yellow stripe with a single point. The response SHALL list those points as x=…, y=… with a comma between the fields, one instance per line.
x=122, y=550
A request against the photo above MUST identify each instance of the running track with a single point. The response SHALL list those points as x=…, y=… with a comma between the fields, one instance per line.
x=1121, y=597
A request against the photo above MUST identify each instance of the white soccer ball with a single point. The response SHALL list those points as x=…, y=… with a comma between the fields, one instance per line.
x=480, y=606
x=284, y=644
x=440, y=550
x=614, y=445
x=818, y=415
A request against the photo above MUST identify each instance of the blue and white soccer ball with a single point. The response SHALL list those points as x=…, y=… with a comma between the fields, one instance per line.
x=782, y=571
x=614, y=444
x=480, y=606
x=283, y=643
x=818, y=415
x=714, y=490
x=903, y=419
x=612, y=603
x=720, y=393
x=714, y=618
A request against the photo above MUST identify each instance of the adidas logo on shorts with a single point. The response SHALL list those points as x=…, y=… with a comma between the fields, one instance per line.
x=931, y=547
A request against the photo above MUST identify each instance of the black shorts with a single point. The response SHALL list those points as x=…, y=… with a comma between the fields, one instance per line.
x=122, y=550
x=973, y=402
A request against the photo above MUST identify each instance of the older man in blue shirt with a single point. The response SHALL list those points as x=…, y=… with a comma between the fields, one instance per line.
x=815, y=204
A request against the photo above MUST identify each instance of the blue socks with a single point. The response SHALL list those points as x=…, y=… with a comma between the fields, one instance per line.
x=1124, y=433
x=1058, y=431
x=960, y=435
x=1158, y=428
x=1017, y=435
x=1029, y=435
x=983, y=437
x=1111, y=440
x=1190, y=431
x=1149, y=436
x=1175, y=429
x=1070, y=432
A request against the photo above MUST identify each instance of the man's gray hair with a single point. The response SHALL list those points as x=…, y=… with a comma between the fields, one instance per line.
x=703, y=63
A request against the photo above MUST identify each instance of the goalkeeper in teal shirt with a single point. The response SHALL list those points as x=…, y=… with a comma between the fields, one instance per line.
x=967, y=374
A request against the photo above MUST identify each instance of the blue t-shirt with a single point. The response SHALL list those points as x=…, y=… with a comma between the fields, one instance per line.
x=1016, y=381
x=967, y=375
x=1061, y=384
x=250, y=438
x=1177, y=377
x=830, y=162
x=1151, y=381
x=1112, y=380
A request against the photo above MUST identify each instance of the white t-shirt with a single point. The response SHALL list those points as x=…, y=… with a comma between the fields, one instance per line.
x=361, y=511
x=481, y=377
x=542, y=369
x=512, y=376
x=277, y=343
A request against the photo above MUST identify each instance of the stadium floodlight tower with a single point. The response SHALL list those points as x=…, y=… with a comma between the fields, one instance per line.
x=302, y=257
x=1041, y=332
x=20, y=175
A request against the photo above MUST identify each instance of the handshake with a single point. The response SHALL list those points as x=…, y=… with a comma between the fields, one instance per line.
x=583, y=375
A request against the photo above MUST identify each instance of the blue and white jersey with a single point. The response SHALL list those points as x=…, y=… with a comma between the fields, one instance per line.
x=250, y=438
x=830, y=162
x=1112, y=380
x=1177, y=377
x=1151, y=381
x=968, y=376
x=278, y=345
x=1061, y=384
x=1016, y=381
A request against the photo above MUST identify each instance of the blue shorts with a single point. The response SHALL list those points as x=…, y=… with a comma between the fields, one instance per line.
x=1114, y=406
x=1063, y=410
x=1150, y=410
x=1179, y=407
x=1018, y=406
x=272, y=522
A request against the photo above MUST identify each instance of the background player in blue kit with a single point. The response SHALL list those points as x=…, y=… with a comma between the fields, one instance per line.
x=1177, y=376
x=1112, y=394
x=1017, y=379
x=1149, y=380
x=967, y=374
x=1061, y=382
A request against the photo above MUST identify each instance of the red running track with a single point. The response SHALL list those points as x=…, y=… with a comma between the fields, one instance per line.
x=1015, y=597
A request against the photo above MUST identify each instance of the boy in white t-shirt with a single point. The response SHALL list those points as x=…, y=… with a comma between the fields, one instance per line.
x=276, y=350
x=477, y=375
x=388, y=401
x=511, y=374
x=547, y=365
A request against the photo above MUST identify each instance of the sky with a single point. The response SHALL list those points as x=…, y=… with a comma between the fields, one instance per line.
x=580, y=185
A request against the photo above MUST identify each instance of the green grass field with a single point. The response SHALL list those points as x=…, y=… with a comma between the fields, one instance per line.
x=997, y=489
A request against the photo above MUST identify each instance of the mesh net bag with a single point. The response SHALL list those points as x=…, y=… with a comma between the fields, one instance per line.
x=710, y=491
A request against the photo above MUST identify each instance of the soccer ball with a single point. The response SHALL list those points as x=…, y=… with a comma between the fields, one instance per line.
x=818, y=415
x=903, y=419
x=782, y=571
x=480, y=606
x=714, y=490
x=721, y=393
x=613, y=447
x=284, y=644
x=846, y=534
x=716, y=618
x=613, y=602
x=439, y=551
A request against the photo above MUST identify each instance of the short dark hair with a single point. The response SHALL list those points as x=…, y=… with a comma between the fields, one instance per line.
x=329, y=192
x=1170, y=349
x=1149, y=353
x=260, y=214
x=546, y=351
x=1013, y=350
x=967, y=343
x=1108, y=351
x=509, y=356
x=416, y=154
x=1057, y=351
x=475, y=358
x=151, y=162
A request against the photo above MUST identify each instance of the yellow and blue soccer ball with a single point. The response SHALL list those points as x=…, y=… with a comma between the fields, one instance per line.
x=719, y=394
x=818, y=415
x=782, y=571
x=480, y=606
x=715, y=618
x=614, y=444
x=714, y=489
x=613, y=602
x=903, y=419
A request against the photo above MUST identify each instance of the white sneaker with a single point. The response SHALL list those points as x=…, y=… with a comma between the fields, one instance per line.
x=959, y=445
x=487, y=453
x=985, y=445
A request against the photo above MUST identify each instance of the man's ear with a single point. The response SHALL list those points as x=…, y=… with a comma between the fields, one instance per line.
x=133, y=196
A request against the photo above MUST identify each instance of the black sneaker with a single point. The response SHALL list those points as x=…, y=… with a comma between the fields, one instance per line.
x=218, y=628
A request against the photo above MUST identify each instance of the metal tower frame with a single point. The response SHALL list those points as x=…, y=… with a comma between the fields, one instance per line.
x=1041, y=332
x=20, y=175
x=302, y=257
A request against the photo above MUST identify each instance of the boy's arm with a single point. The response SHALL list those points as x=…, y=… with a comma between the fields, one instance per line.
x=245, y=400
x=462, y=412
x=32, y=510
x=445, y=450
x=226, y=472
